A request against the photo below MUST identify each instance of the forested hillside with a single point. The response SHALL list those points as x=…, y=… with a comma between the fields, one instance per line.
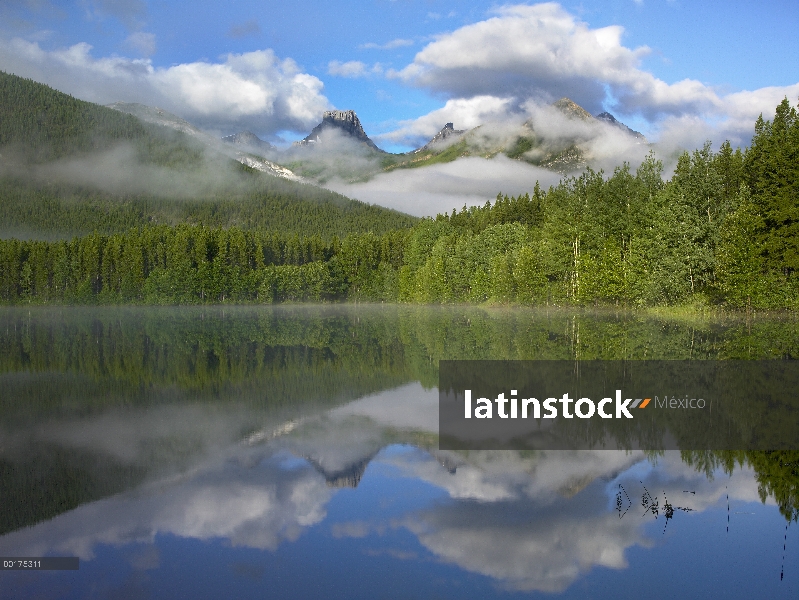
x=70, y=168
x=723, y=230
x=255, y=201
x=42, y=123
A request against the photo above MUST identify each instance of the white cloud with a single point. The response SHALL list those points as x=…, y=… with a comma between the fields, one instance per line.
x=526, y=51
x=397, y=43
x=544, y=52
x=141, y=42
x=253, y=90
x=440, y=188
x=463, y=113
x=536, y=54
x=352, y=69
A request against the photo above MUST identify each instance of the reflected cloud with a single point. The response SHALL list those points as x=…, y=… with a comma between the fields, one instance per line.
x=531, y=521
x=256, y=507
x=543, y=522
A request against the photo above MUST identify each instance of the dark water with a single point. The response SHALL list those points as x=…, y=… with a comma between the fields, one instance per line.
x=293, y=453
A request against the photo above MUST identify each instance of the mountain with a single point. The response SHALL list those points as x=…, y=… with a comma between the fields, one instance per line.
x=248, y=139
x=609, y=118
x=69, y=167
x=563, y=153
x=38, y=123
x=447, y=132
x=247, y=155
x=342, y=121
x=572, y=109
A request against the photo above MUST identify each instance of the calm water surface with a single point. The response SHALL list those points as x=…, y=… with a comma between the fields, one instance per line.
x=292, y=452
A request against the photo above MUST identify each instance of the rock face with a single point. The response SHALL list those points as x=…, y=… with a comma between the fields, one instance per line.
x=448, y=131
x=248, y=139
x=346, y=121
x=572, y=109
x=610, y=119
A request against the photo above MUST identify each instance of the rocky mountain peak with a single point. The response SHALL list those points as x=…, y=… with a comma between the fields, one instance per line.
x=249, y=139
x=611, y=120
x=606, y=116
x=447, y=131
x=345, y=121
x=572, y=109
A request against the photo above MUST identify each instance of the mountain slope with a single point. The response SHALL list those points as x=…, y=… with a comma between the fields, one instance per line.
x=39, y=123
x=564, y=153
x=609, y=118
x=69, y=167
x=248, y=140
x=239, y=148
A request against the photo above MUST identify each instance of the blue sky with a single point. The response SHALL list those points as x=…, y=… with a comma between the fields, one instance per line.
x=676, y=70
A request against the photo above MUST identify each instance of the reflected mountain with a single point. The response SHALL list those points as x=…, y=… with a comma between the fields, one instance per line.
x=280, y=436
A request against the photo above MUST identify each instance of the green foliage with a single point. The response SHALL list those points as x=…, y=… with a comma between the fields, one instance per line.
x=721, y=231
x=771, y=168
x=522, y=145
x=43, y=123
x=189, y=264
x=39, y=124
x=776, y=472
x=259, y=202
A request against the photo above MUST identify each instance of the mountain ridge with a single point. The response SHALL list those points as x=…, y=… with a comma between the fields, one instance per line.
x=344, y=121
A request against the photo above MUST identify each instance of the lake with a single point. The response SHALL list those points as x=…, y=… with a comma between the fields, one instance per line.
x=293, y=452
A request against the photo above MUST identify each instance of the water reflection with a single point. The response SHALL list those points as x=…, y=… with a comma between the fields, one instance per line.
x=291, y=446
x=535, y=522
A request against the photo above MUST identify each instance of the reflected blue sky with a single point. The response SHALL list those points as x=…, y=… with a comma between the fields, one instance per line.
x=292, y=479
x=319, y=512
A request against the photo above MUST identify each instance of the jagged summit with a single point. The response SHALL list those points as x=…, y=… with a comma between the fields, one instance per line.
x=610, y=119
x=572, y=109
x=249, y=139
x=345, y=121
x=447, y=131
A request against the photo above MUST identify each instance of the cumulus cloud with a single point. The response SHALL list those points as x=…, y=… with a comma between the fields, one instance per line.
x=543, y=52
x=254, y=90
x=352, y=69
x=464, y=113
x=521, y=51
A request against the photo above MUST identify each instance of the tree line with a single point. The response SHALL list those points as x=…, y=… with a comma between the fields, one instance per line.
x=251, y=201
x=723, y=230
x=196, y=264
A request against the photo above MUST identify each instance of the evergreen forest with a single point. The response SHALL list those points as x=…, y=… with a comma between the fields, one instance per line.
x=722, y=230
x=45, y=134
